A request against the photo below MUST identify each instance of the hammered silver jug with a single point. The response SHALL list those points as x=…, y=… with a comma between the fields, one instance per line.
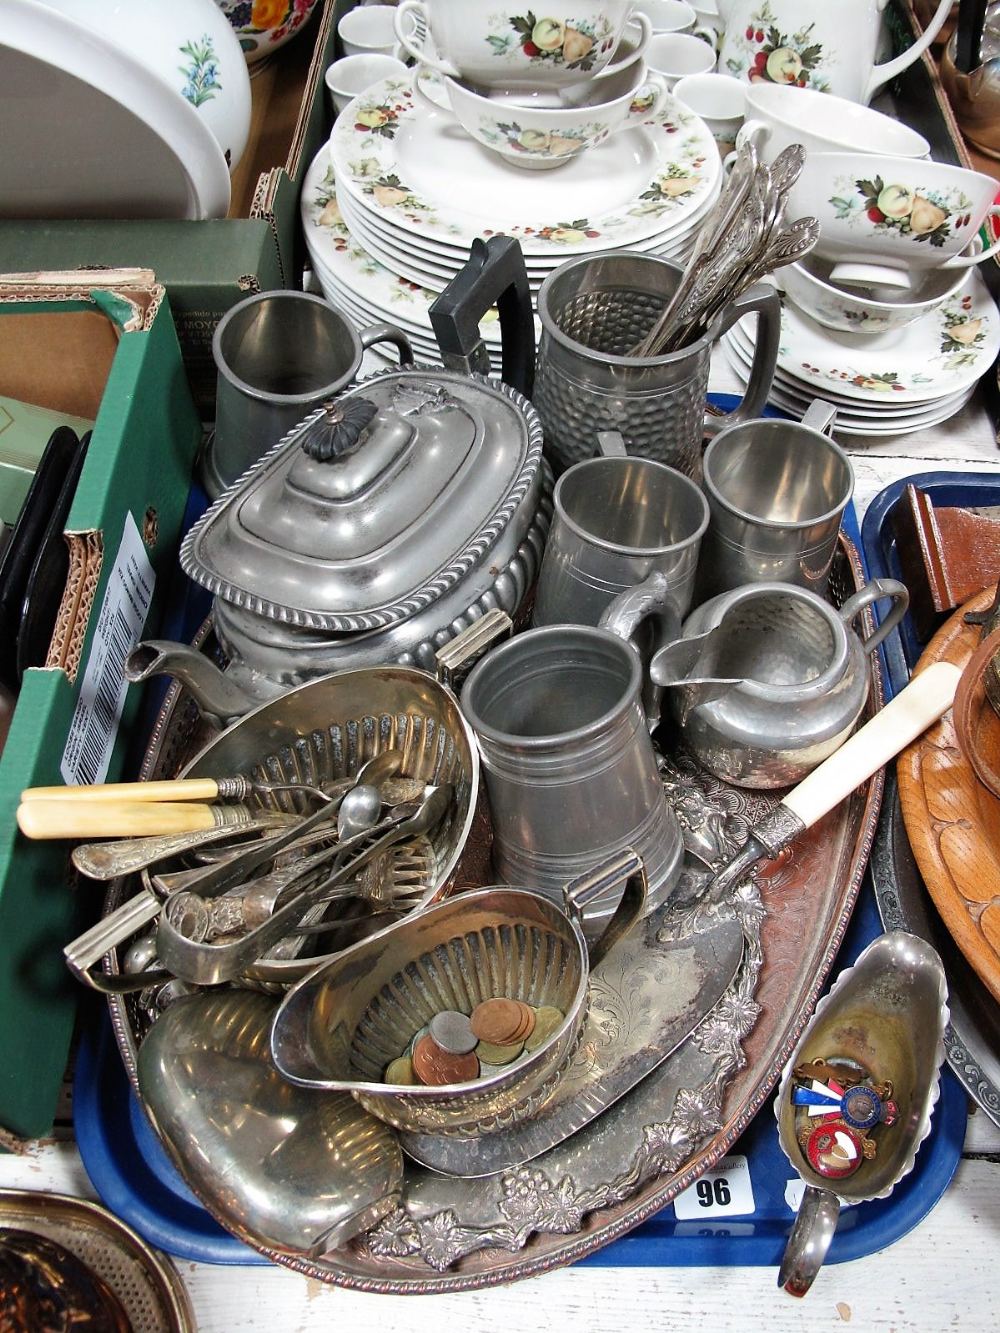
x=593, y=311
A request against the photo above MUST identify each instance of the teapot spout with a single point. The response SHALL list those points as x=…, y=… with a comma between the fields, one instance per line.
x=214, y=693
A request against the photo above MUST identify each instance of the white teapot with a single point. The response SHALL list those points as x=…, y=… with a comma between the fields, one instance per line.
x=830, y=47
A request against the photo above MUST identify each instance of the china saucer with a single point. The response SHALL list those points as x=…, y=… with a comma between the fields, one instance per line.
x=846, y=407
x=413, y=164
x=874, y=426
x=945, y=351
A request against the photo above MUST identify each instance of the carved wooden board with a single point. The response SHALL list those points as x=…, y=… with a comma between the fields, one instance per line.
x=952, y=820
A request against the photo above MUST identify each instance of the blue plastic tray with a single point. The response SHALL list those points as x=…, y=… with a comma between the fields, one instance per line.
x=132, y=1175
x=134, y=1178
x=902, y=647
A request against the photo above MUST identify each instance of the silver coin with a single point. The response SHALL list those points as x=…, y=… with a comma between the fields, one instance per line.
x=453, y=1032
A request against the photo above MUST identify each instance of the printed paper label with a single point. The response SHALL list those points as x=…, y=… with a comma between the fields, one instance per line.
x=94, y=726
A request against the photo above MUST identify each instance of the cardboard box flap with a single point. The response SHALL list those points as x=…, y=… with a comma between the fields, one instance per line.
x=128, y=296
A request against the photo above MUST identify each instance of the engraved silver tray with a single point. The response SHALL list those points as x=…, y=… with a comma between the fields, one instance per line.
x=452, y=1235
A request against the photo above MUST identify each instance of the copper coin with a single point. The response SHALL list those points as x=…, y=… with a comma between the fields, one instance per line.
x=400, y=1071
x=436, y=1067
x=501, y=1022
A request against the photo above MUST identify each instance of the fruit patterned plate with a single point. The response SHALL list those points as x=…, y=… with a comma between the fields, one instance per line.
x=408, y=161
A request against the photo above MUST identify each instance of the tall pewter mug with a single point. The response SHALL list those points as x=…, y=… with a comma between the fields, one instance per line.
x=568, y=762
x=279, y=355
x=617, y=520
x=593, y=311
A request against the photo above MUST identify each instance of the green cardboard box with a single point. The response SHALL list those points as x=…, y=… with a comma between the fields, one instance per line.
x=110, y=353
x=207, y=267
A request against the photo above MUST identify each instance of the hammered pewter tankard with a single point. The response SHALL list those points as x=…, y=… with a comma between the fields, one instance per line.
x=593, y=310
x=616, y=520
x=768, y=680
x=568, y=761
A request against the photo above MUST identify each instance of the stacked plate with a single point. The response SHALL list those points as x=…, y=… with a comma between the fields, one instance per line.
x=391, y=206
x=883, y=384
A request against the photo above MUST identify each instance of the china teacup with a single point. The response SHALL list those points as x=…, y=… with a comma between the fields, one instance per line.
x=888, y=220
x=348, y=77
x=528, y=131
x=668, y=15
x=511, y=47
x=720, y=102
x=674, y=55
x=815, y=44
x=864, y=310
x=369, y=30
x=822, y=123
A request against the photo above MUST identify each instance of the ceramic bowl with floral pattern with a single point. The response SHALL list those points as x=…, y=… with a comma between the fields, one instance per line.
x=889, y=220
x=189, y=45
x=859, y=310
x=528, y=131
x=262, y=26
x=518, y=46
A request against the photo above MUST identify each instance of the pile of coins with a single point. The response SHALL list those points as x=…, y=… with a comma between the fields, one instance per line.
x=459, y=1048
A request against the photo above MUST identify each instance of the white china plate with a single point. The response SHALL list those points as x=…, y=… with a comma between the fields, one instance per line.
x=87, y=131
x=857, y=426
x=945, y=351
x=434, y=275
x=410, y=162
x=372, y=223
x=846, y=407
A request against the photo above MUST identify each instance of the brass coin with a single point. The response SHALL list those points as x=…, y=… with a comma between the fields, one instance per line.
x=547, y=1019
x=436, y=1067
x=400, y=1071
x=501, y=1021
x=498, y=1055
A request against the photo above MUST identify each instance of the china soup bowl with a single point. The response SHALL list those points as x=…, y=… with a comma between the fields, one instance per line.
x=890, y=220
x=528, y=130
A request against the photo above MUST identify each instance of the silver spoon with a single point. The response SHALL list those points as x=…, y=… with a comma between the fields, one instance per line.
x=359, y=810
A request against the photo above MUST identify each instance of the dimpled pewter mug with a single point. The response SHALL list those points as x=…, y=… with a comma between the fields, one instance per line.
x=593, y=311
x=617, y=519
x=568, y=762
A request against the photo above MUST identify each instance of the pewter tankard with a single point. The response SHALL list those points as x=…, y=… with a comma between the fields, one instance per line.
x=617, y=519
x=568, y=761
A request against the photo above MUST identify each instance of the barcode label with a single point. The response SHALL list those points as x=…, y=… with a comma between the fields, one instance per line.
x=94, y=726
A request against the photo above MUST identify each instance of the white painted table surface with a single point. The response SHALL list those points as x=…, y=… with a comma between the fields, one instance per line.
x=941, y=1276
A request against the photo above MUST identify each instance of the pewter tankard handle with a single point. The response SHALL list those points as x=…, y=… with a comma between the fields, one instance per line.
x=626, y=865
x=766, y=303
x=873, y=591
x=651, y=601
